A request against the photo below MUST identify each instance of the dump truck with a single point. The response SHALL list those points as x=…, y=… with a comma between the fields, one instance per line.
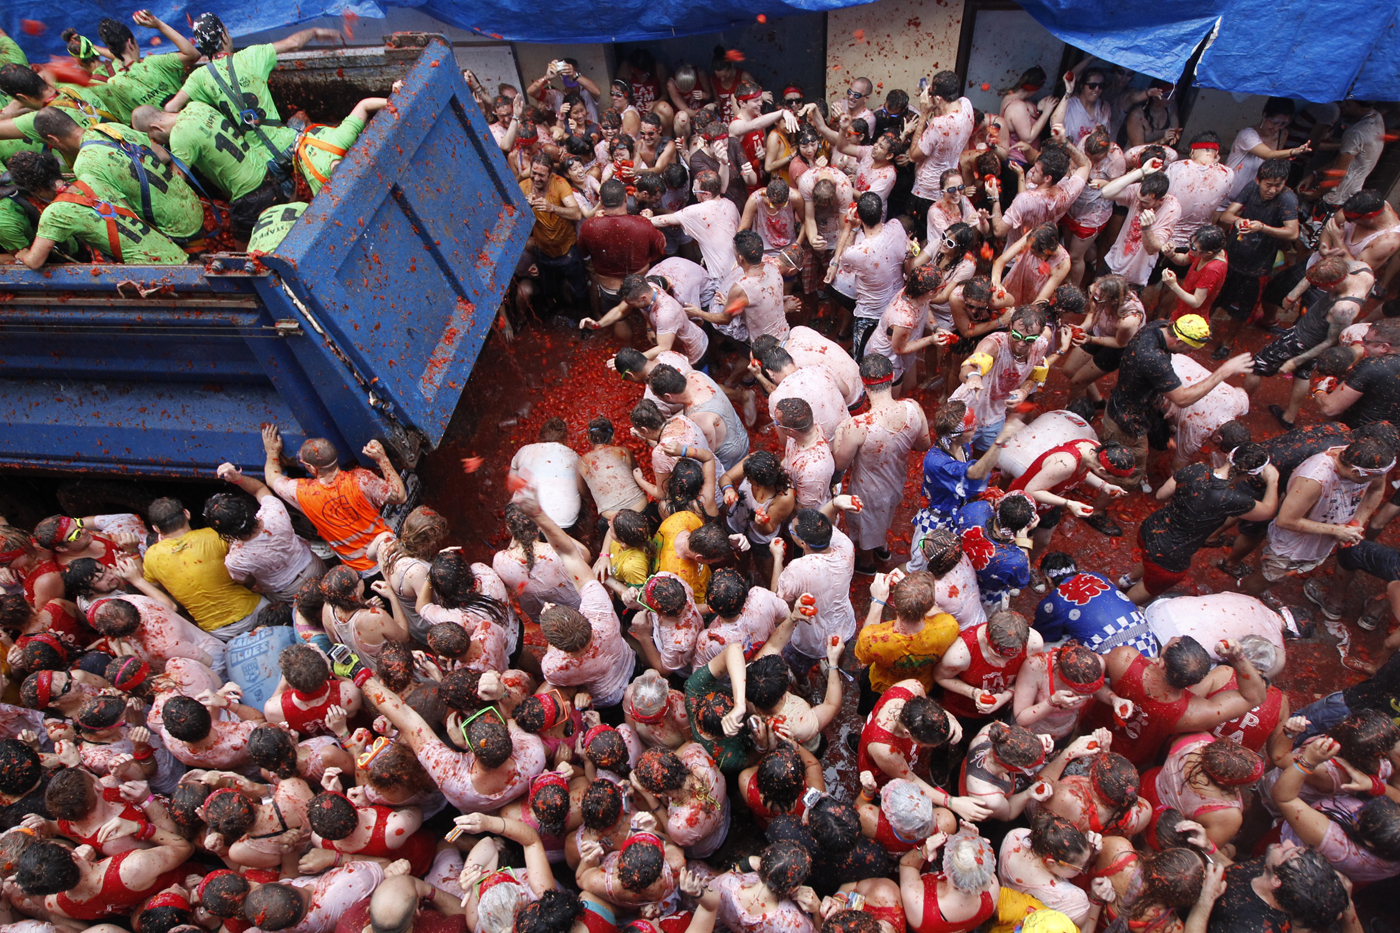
x=364, y=322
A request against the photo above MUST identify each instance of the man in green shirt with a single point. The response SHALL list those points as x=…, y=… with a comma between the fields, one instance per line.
x=32, y=91
x=151, y=80
x=204, y=139
x=730, y=750
x=10, y=54
x=272, y=227
x=322, y=147
x=247, y=68
x=91, y=213
x=110, y=154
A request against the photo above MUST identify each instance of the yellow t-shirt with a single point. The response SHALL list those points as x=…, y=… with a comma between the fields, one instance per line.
x=630, y=565
x=692, y=572
x=894, y=656
x=1012, y=907
x=191, y=569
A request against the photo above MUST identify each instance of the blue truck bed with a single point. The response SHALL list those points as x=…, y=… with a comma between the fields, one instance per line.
x=365, y=323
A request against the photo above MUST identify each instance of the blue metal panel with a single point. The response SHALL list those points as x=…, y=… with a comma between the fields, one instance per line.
x=404, y=256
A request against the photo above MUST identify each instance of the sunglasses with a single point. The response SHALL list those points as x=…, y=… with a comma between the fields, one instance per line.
x=956, y=189
x=951, y=244
x=1094, y=86
x=1023, y=338
x=76, y=533
x=852, y=92
x=791, y=101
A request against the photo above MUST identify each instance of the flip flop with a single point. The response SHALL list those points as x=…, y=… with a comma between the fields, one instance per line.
x=1239, y=573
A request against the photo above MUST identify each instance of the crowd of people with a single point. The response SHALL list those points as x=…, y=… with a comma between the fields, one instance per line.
x=284, y=714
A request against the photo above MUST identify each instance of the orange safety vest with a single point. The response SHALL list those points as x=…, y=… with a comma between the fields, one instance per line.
x=344, y=517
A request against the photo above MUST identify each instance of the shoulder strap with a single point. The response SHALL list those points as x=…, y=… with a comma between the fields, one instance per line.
x=69, y=100
x=306, y=139
x=242, y=118
x=107, y=211
x=134, y=153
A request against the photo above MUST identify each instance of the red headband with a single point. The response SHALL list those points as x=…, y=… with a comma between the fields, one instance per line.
x=1015, y=770
x=1353, y=215
x=65, y=528
x=168, y=899
x=43, y=682
x=792, y=89
x=47, y=638
x=1082, y=689
x=1110, y=468
x=1032, y=87
x=1324, y=283
x=216, y=873
x=1205, y=145
x=593, y=733
x=553, y=710
x=139, y=671
x=877, y=381
x=547, y=779
x=649, y=839
x=13, y=553
x=647, y=720
x=495, y=878
x=755, y=95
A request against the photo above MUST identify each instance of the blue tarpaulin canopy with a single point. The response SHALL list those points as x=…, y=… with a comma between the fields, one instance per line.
x=1297, y=48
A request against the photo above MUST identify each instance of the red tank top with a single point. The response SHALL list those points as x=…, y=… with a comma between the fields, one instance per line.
x=645, y=92
x=724, y=96
x=310, y=721
x=1059, y=489
x=882, y=736
x=1252, y=730
x=111, y=795
x=756, y=150
x=418, y=848
x=110, y=550
x=1152, y=721
x=35, y=572
x=67, y=627
x=981, y=674
x=932, y=920
x=894, y=916
x=115, y=898
x=884, y=834
x=759, y=809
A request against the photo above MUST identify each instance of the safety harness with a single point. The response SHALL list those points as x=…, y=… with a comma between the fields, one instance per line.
x=137, y=153
x=68, y=99
x=306, y=139
x=246, y=118
x=78, y=192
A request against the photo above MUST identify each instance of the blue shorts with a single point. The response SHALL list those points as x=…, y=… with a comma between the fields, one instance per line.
x=1322, y=715
x=984, y=437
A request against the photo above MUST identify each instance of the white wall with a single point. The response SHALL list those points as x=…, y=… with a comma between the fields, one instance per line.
x=903, y=41
x=1220, y=111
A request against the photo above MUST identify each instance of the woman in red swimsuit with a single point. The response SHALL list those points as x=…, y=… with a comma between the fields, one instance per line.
x=959, y=898
x=30, y=564
x=776, y=785
x=340, y=827
x=72, y=884
x=901, y=816
x=307, y=692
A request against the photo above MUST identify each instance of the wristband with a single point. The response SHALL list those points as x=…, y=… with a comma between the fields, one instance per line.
x=1212, y=850
x=147, y=755
x=1301, y=767
x=685, y=450
x=362, y=676
x=1377, y=787
x=879, y=602
x=148, y=829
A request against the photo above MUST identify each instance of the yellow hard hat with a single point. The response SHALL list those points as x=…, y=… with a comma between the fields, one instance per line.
x=1192, y=329
x=1048, y=921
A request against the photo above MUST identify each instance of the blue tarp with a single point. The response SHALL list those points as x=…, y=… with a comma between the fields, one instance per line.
x=1289, y=48
x=1294, y=48
x=517, y=20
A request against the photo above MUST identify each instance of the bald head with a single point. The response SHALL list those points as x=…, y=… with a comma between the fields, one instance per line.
x=319, y=453
x=393, y=904
x=154, y=122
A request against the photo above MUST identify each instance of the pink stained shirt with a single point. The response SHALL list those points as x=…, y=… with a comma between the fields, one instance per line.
x=944, y=138
x=1201, y=190
x=605, y=666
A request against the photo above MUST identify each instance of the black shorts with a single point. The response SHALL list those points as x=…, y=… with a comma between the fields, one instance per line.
x=1121, y=210
x=1163, y=264
x=844, y=301
x=608, y=299
x=1379, y=560
x=1240, y=293
x=1107, y=358
x=1252, y=529
x=244, y=212
x=1275, y=353
x=918, y=209
x=1051, y=518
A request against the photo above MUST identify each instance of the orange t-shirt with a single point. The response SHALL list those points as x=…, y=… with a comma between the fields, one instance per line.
x=346, y=512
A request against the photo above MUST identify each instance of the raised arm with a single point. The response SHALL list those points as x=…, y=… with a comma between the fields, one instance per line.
x=563, y=545
x=183, y=47
x=298, y=40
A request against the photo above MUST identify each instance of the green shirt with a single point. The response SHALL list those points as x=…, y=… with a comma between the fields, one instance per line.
x=90, y=105
x=10, y=54
x=729, y=752
x=140, y=245
x=252, y=65
x=273, y=226
x=151, y=81
x=204, y=139
x=16, y=229
x=320, y=160
x=175, y=207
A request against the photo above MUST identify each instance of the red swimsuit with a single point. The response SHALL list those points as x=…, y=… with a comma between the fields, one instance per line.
x=881, y=736
x=419, y=848
x=933, y=921
x=115, y=898
x=981, y=674
x=759, y=809
x=311, y=721
x=1059, y=489
x=1152, y=721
